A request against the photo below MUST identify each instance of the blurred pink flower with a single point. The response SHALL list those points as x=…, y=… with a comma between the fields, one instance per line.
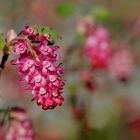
x=97, y=48
x=19, y=126
x=121, y=64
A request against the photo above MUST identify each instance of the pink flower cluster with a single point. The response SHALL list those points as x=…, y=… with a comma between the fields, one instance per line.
x=98, y=48
x=37, y=65
x=20, y=127
x=121, y=64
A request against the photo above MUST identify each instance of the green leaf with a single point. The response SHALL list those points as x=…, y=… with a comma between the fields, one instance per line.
x=100, y=13
x=47, y=30
x=65, y=8
x=2, y=42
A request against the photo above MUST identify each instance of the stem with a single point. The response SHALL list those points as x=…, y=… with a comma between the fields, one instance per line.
x=4, y=58
x=5, y=54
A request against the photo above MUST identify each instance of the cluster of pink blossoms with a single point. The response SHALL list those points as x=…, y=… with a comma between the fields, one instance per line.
x=121, y=65
x=37, y=65
x=98, y=48
x=20, y=127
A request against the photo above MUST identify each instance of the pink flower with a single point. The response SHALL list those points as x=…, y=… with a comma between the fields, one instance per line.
x=45, y=50
x=38, y=68
x=20, y=46
x=29, y=64
x=97, y=49
x=25, y=64
x=37, y=80
x=43, y=38
x=101, y=33
x=19, y=126
x=48, y=51
x=49, y=100
x=121, y=64
x=28, y=31
x=47, y=66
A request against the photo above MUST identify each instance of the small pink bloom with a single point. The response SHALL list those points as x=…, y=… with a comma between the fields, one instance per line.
x=101, y=33
x=47, y=66
x=50, y=100
x=29, y=64
x=28, y=31
x=43, y=38
x=121, y=64
x=38, y=80
x=98, y=51
x=20, y=46
x=46, y=50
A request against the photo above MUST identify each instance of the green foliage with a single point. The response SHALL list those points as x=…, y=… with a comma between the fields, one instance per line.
x=47, y=30
x=65, y=8
x=2, y=42
x=100, y=13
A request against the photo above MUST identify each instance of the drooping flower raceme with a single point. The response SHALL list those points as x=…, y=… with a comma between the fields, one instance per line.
x=20, y=127
x=37, y=65
x=98, y=48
